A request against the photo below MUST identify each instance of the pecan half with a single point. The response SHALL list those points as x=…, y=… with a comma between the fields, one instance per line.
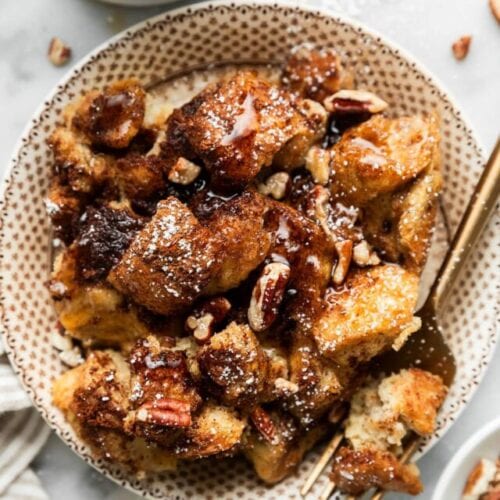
x=59, y=53
x=354, y=101
x=184, y=172
x=317, y=207
x=344, y=251
x=267, y=295
x=461, y=47
x=168, y=412
x=263, y=423
x=276, y=185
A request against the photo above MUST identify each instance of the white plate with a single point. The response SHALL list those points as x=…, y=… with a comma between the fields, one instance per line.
x=483, y=444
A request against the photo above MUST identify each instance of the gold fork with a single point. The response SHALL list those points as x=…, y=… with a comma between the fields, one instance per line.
x=428, y=346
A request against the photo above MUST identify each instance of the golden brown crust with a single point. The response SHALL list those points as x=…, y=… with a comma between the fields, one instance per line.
x=315, y=74
x=367, y=315
x=112, y=117
x=241, y=225
x=381, y=155
x=169, y=262
x=234, y=127
x=275, y=459
x=415, y=395
x=357, y=471
x=235, y=365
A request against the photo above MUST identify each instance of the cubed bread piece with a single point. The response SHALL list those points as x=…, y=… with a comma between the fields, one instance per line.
x=483, y=482
x=64, y=207
x=84, y=170
x=164, y=398
x=276, y=458
x=354, y=472
x=97, y=391
x=320, y=382
x=299, y=242
x=169, y=262
x=91, y=312
x=385, y=409
x=381, y=155
x=315, y=73
x=240, y=223
x=415, y=395
x=104, y=233
x=216, y=430
x=113, y=116
x=368, y=314
x=235, y=127
x=139, y=177
x=400, y=224
x=235, y=365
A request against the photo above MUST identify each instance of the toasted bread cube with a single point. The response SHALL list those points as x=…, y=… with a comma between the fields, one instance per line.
x=84, y=169
x=354, y=472
x=112, y=117
x=240, y=222
x=415, y=395
x=320, y=382
x=400, y=224
x=235, y=365
x=366, y=317
x=316, y=74
x=381, y=155
x=275, y=459
x=235, y=127
x=169, y=262
x=97, y=391
x=216, y=430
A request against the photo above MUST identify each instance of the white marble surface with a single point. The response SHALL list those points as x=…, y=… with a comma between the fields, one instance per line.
x=426, y=28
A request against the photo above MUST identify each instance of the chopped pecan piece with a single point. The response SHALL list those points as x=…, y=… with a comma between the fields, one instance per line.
x=354, y=101
x=461, y=47
x=263, y=423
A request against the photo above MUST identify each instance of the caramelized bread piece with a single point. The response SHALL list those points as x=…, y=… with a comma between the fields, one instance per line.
x=235, y=365
x=82, y=169
x=165, y=397
x=104, y=235
x=169, y=262
x=139, y=177
x=357, y=471
x=97, y=391
x=368, y=314
x=64, y=207
x=91, y=311
x=113, y=116
x=276, y=458
x=400, y=224
x=216, y=430
x=235, y=127
x=241, y=224
x=381, y=155
x=302, y=244
x=320, y=382
x=315, y=73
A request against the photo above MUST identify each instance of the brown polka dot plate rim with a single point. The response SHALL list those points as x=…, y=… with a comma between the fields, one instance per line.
x=171, y=43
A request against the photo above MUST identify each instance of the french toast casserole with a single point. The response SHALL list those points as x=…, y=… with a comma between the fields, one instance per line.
x=227, y=268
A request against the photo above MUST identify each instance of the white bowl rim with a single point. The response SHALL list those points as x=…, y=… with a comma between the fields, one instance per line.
x=473, y=442
x=297, y=4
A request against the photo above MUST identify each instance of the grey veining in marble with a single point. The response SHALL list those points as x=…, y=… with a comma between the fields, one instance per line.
x=426, y=28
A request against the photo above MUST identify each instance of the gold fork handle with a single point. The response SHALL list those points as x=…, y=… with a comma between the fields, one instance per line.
x=476, y=216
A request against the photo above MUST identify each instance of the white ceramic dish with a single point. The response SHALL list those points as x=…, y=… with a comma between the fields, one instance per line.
x=171, y=44
x=485, y=443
